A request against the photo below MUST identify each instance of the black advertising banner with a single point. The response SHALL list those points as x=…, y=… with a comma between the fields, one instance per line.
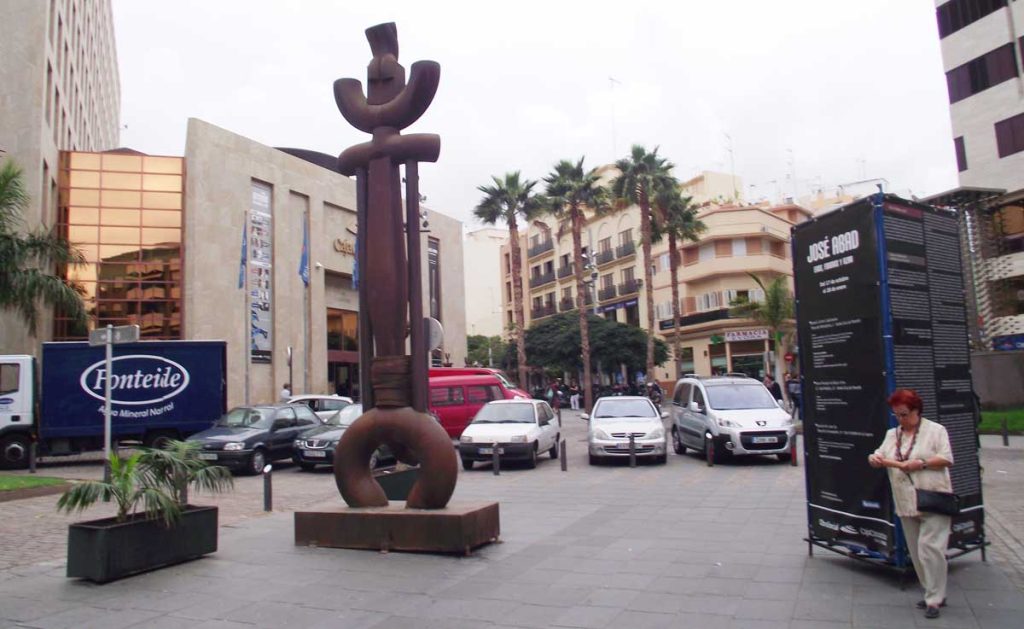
x=839, y=327
x=929, y=339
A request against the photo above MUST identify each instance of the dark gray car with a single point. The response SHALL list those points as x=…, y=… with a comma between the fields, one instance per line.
x=246, y=438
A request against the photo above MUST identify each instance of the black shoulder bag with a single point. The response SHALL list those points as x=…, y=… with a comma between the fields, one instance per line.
x=941, y=502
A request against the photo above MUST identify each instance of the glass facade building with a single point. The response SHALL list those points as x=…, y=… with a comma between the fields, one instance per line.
x=124, y=212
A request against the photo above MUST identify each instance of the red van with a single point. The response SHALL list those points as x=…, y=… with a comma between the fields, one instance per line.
x=436, y=372
x=456, y=398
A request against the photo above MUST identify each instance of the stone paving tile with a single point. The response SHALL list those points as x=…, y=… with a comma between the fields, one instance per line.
x=87, y=617
x=532, y=616
x=752, y=609
x=585, y=616
x=884, y=616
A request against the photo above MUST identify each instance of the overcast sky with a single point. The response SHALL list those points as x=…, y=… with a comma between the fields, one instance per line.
x=830, y=91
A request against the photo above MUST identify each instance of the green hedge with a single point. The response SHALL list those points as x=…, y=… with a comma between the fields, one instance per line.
x=9, y=482
x=992, y=421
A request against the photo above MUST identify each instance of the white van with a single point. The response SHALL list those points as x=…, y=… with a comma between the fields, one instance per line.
x=729, y=414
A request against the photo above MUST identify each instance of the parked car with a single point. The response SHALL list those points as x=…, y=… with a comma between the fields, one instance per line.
x=739, y=414
x=323, y=405
x=455, y=399
x=615, y=419
x=316, y=445
x=246, y=438
x=506, y=382
x=520, y=429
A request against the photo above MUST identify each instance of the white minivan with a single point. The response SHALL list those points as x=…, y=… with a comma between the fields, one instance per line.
x=729, y=414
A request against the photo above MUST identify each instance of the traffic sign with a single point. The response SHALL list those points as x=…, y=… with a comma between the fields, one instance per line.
x=114, y=335
x=788, y=357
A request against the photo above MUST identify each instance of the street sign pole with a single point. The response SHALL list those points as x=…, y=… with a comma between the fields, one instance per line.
x=106, y=398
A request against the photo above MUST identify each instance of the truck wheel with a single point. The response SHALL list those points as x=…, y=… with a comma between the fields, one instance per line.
x=257, y=461
x=159, y=439
x=14, y=452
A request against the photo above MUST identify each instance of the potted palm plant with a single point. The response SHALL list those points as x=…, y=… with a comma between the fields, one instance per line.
x=154, y=526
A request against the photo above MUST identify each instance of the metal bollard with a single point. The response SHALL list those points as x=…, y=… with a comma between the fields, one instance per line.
x=710, y=449
x=32, y=457
x=632, y=450
x=559, y=416
x=565, y=463
x=495, y=460
x=1006, y=432
x=106, y=476
x=268, y=489
x=792, y=451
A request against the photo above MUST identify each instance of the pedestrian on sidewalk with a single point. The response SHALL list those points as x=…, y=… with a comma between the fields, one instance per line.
x=918, y=455
x=794, y=391
x=286, y=393
x=574, y=396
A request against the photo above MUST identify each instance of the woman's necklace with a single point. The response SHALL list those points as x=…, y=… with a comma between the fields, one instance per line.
x=899, y=444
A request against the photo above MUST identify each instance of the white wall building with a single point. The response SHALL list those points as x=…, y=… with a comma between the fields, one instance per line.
x=482, y=254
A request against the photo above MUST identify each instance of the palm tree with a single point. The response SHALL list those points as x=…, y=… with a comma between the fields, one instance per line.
x=679, y=221
x=570, y=189
x=774, y=312
x=642, y=175
x=508, y=200
x=27, y=260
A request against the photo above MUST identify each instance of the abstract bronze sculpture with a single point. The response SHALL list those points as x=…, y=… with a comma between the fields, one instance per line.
x=390, y=293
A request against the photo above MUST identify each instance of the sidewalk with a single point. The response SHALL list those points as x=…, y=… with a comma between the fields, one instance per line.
x=679, y=545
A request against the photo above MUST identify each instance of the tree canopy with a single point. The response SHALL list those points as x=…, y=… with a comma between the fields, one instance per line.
x=555, y=343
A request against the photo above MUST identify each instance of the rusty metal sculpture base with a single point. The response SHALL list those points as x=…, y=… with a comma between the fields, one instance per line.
x=414, y=438
x=454, y=529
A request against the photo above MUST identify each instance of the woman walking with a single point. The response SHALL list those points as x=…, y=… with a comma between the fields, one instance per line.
x=918, y=454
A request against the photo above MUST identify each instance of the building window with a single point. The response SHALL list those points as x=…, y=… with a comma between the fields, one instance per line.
x=709, y=301
x=607, y=281
x=626, y=237
x=605, y=245
x=1010, y=135
x=981, y=73
x=627, y=275
x=739, y=246
x=707, y=252
x=664, y=262
x=128, y=227
x=957, y=14
x=961, y=154
x=342, y=330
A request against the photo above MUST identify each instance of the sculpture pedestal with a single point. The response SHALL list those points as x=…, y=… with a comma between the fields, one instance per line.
x=458, y=528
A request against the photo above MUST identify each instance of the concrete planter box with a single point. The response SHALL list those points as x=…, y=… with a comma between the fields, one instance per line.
x=104, y=550
x=397, y=485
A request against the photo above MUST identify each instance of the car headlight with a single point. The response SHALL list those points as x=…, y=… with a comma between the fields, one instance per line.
x=600, y=434
x=518, y=439
x=725, y=423
x=234, y=445
x=297, y=443
x=332, y=444
x=657, y=433
x=466, y=439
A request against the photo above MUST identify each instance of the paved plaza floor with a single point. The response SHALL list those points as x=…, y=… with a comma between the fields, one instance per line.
x=678, y=545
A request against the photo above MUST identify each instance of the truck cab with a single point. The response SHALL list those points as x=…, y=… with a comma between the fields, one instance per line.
x=17, y=409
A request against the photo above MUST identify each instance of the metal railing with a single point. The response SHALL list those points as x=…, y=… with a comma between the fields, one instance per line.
x=540, y=248
x=604, y=257
x=625, y=249
x=542, y=279
x=606, y=293
x=630, y=286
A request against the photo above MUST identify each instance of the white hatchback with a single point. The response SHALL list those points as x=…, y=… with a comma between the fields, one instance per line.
x=617, y=420
x=519, y=430
x=323, y=405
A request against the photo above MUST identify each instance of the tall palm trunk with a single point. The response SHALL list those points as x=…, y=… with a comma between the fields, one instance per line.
x=581, y=303
x=517, y=302
x=673, y=265
x=645, y=236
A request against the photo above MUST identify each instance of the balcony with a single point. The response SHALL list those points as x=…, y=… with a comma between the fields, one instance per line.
x=630, y=286
x=565, y=271
x=761, y=263
x=604, y=257
x=542, y=279
x=625, y=250
x=606, y=293
x=565, y=305
x=544, y=311
x=540, y=248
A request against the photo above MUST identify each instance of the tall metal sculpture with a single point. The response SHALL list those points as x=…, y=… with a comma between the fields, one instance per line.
x=390, y=289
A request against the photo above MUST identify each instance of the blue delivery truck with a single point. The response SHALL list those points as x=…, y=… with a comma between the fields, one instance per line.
x=159, y=390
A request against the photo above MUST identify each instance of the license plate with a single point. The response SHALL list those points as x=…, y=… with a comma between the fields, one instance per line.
x=766, y=440
x=208, y=456
x=314, y=454
x=624, y=445
x=491, y=450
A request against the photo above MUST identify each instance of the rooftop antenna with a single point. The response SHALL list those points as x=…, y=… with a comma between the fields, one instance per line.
x=732, y=165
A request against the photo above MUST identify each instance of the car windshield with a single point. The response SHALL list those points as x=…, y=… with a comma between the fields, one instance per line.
x=500, y=375
x=505, y=414
x=734, y=397
x=624, y=409
x=345, y=416
x=246, y=418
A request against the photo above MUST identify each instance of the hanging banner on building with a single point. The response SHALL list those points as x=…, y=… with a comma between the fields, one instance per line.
x=736, y=336
x=261, y=274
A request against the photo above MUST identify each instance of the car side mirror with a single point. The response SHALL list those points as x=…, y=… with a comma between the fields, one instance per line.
x=696, y=407
x=585, y=417
x=279, y=424
x=664, y=415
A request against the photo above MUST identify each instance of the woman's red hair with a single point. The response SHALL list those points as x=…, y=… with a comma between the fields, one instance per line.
x=906, y=397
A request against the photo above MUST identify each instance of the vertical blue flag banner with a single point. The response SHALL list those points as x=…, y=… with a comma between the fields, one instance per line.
x=304, y=259
x=241, y=264
x=355, y=266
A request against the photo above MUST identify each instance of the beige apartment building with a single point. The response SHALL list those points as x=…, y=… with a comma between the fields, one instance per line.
x=61, y=92
x=163, y=238
x=739, y=239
